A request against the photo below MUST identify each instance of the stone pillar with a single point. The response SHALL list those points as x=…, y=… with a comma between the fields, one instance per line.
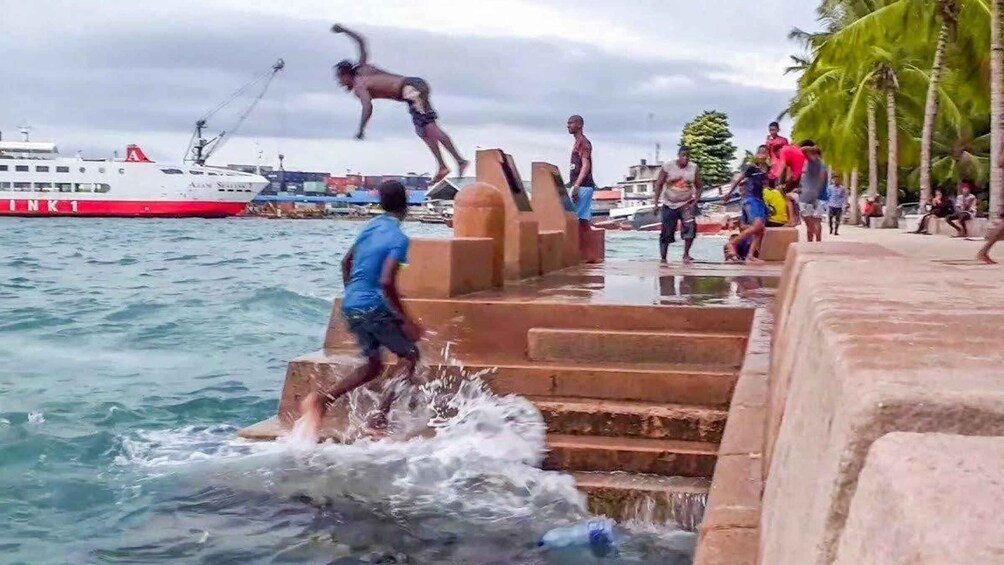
x=479, y=211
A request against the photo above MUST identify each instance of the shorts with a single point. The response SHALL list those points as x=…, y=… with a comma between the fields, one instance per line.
x=836, y=212
x=415, y=92
x=817, y=209
x=754, y=209
x=379, y=328
x=776, y=224
x=962, y=216
x=670, y=217
x=584, y=205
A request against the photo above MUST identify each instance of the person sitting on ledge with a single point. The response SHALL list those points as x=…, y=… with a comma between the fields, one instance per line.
x=754, y=223
x=940, y=207
x=372, y=307
x=965, y=208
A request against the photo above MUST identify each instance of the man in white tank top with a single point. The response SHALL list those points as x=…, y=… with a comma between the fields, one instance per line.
x=676, y=192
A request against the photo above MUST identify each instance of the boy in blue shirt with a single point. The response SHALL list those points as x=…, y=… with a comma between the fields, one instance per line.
x=754, y=218
x=372, y=306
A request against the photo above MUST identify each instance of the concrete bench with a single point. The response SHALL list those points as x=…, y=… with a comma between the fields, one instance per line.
x=977, y=227
x=775, y=243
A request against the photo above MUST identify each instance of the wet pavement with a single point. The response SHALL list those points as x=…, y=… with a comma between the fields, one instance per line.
x=628, y=283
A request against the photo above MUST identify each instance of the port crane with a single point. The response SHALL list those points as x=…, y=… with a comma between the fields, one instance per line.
x=201, y=149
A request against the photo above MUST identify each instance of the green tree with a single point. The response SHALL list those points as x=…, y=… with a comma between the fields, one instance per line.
x=709, y=140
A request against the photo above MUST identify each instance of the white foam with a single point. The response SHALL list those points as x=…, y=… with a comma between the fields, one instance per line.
x=480, y=460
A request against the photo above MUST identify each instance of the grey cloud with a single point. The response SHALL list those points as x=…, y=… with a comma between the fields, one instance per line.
x=162, y=77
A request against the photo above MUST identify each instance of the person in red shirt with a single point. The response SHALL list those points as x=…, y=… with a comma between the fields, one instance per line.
x=775, y=141
x=787, y=167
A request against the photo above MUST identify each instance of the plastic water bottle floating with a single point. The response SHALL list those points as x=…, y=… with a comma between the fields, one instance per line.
x=594, y=533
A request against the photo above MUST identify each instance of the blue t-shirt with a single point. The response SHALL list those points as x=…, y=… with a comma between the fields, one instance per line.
x=380, y=239
x=753, y=208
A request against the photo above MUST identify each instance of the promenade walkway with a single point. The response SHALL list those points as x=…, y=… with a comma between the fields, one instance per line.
x=937, y=248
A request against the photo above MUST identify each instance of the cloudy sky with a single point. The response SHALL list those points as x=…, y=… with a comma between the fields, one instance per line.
x=98, y=75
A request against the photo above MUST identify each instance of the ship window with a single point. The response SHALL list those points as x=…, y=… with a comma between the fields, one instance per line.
x=101, y=170
x=121, y=171
x=194, y=172
x=4, y=186
x=21, y=168
x=62, y=169
x=102, y=187
x=213, y=174
x=83, y=169
x=64, y=186
x=22, y=186
x=43, y=186
x=3, y=167
x=172, y=171
x=41, y=169
x=85, y=187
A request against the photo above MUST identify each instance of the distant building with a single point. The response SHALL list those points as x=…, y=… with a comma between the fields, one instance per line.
x=638, y=187
x=605, y=200
x=448, y=188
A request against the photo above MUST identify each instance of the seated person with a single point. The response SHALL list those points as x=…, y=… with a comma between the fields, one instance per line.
x=778, y=207
x=940, y=207
x=965, y=209
x=754, y=224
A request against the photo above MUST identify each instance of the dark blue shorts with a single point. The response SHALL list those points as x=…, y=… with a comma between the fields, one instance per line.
x=415, y=92
x=379, y=328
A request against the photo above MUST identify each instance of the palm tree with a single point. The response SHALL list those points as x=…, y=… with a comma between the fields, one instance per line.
x=873, y=147
x=996, y=109
x=948, y=10
x=888, y=81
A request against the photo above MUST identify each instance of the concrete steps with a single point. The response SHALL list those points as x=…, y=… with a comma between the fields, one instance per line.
x=630, y=455
x=618, y=418
x=699, y=385
x=601, y=346
x=649, y=498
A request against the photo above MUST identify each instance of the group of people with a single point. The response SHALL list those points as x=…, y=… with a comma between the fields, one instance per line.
x=784, y=185
x=956, y=212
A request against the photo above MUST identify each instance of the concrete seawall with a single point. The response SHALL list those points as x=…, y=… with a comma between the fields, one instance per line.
x=885, y=384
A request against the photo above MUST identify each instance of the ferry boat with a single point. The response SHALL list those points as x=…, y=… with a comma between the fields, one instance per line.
x=36, y=181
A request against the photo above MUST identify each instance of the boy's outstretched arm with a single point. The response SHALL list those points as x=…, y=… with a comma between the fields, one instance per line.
x=347, y=266
x=363, y=54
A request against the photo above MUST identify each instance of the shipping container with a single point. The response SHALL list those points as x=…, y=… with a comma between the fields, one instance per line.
x=314, y=186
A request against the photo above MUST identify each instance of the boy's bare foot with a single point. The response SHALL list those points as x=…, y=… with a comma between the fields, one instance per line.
x=753, y=261
x=311, y=414
x=687, y=259
x=983, y=257
x=462, y=167
x=443, y=172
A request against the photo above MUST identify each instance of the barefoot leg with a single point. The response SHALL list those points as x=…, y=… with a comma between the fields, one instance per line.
x=434, y=131
x=433, y=145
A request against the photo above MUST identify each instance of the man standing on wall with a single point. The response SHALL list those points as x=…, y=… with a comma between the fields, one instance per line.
x=676, y=192
x=581, y=172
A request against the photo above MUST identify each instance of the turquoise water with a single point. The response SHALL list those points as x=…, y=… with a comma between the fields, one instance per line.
x=132, y=353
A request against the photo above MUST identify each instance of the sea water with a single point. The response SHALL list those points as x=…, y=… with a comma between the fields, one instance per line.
x=131, y=353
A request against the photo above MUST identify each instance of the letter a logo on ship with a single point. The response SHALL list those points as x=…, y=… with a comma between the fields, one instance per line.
x=135, y=155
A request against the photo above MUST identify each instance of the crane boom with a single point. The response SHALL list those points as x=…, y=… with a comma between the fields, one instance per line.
x=201, y=149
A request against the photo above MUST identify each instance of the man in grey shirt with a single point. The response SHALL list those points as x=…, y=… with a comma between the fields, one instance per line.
x=812, y=206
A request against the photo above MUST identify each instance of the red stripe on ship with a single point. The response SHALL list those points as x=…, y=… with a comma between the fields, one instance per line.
x=120, y=208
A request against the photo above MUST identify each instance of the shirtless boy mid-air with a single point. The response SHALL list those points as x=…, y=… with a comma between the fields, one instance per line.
x=368, y=83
